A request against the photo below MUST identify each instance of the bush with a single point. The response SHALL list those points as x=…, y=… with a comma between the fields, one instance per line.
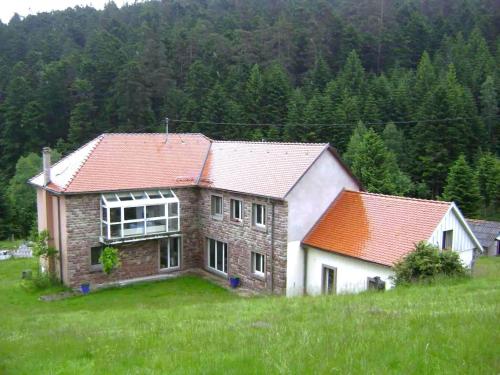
x=40, y=281
x=425, y=263
x=109, y=259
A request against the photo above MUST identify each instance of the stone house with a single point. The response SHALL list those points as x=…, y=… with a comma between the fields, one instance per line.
x=176, y=202
x=183, y=201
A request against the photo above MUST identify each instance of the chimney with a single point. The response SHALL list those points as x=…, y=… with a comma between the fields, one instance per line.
x=46, y=165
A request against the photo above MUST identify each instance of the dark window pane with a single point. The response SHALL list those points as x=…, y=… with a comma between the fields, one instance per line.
x=154, y=194
x=125, y=197
x=104, y=230
x=173, y=209
x=116, y=230
x=220, y=250
x=163, y=254
x=139, y=195
x=155, y=211
x=211, y=253
x=167, y=193
x=134, y=213
x=95, y=253
x=104, y=211
x=174, y=252
x=156, y=226
x=110, y=197
x=115, y=214
x=133, y=229
x=173, y=225
x=225, y=259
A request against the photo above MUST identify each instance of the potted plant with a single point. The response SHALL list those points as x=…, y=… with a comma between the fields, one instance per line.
x=234, y=281
x=85, y=287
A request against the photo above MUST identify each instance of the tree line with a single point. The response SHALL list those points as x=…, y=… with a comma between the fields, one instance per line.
x=406, y=91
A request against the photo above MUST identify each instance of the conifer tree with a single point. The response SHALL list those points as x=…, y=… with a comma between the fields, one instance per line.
x=462, y=188
x=294, y=130
x=489, y=111
x=254, y=96
x=488, y=176
x=376, y=166
x=81, y=122
x=353, y=147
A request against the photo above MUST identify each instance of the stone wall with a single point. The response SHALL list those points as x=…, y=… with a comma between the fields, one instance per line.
x=141, y=259
x=138, y=259
x=243, y=238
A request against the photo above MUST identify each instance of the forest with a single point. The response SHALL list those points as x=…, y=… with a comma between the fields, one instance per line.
x=407, y=91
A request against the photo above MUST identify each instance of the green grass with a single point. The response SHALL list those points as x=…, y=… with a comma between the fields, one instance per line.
x=10, y=244
x=188, y=325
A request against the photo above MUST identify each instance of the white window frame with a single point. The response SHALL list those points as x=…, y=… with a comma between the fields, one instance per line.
x=232, y=204
x=179, y=257
x=263, y=209
x=224, y=256
x=215, y=215
x=144, y=199
x=258, y=261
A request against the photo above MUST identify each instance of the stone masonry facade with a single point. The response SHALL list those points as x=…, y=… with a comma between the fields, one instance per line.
x=141, y=259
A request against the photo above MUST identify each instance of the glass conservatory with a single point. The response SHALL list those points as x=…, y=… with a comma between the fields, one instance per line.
x=132, y=216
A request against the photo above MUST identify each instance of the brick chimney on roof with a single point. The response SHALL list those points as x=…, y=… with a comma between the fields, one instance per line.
x=46, y=165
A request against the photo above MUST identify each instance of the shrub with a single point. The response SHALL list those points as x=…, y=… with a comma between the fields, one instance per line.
x=40, y=281
x=109, y=259
x=425, y=263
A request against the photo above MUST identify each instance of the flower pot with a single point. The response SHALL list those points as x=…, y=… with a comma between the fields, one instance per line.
x=85, y=288
x=234, y=282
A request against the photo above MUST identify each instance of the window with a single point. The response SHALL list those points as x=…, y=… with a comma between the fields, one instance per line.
x=216, y=206
x=217, y=255
x=259, y=215
x=236, y=210
x=447, y=240
x=329, y=280
x=136, y=214
x=376, y=283
x=258, y=264
x=95, y=254
x=170, y=252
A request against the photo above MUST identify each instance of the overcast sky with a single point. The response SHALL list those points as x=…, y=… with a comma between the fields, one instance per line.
x=25, y=7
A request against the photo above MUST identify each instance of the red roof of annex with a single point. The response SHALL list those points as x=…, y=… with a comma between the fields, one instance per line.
x=374, y=227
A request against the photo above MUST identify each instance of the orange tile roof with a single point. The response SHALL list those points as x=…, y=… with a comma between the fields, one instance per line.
x=132, y=161
x=374, y=227
x=260, y=168
x=113, y=162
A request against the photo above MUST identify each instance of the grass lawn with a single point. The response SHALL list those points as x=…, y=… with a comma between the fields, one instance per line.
x=10, y=244
x=188, y=325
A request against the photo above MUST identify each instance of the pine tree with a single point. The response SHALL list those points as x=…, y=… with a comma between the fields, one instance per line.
x=425, y=78
x=353, y=147
x=276, y=94
x=394, y=139
x=489, y=111
x=345, y=116
x=488, y=176
x=254, y=92
x=294, y=130
x=81, y=122
x=352, y=76
x=376, y=166
x=462, y=188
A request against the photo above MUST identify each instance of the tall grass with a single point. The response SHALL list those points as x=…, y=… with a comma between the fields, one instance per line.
x=187, y=325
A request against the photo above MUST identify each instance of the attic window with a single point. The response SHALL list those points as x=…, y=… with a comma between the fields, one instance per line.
x=132, y=215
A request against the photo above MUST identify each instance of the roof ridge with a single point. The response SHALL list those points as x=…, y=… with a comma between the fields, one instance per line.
x=272, y=142
x=82, y=163
x=154, y=133
x=400, y=197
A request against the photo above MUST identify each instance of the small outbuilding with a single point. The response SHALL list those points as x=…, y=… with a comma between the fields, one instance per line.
x=362, y=235
x=488, y=233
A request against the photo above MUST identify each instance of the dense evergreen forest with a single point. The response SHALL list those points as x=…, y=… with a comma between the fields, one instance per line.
x=406, y=90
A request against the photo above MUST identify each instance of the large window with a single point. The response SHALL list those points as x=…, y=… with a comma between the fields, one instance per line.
x=216, y=206
x=258, y=264
x=170, y=252
x=136, y=214
x=236, y=210
x=259, y=215
x=217, y=255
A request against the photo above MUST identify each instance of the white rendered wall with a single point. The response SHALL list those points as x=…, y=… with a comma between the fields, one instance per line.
x=352, y=273
x=307, y=201
x=463, y=242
